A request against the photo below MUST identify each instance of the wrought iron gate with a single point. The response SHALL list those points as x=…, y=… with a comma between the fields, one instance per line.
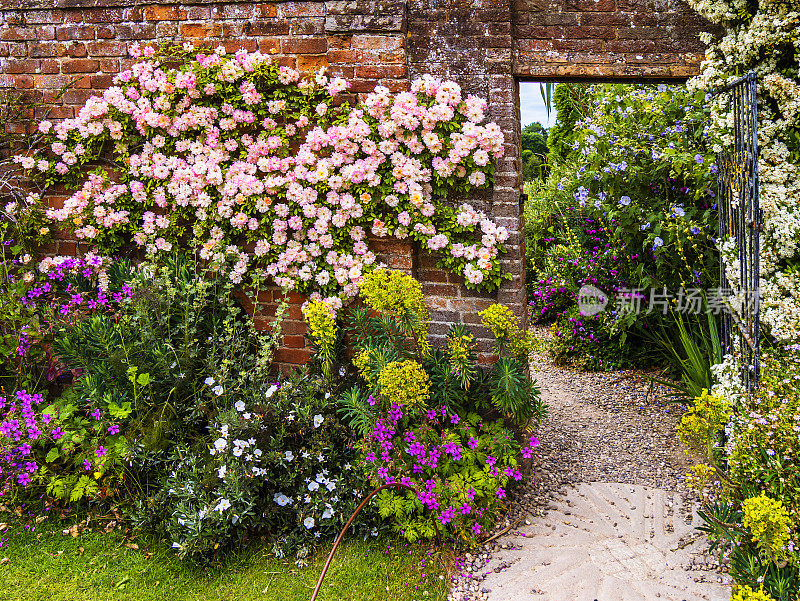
x=740, y=220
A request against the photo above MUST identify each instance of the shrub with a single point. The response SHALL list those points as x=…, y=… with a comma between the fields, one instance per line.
x=428, y=418
x=280, y=462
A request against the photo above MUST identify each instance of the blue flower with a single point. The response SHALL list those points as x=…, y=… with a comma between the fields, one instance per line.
x=657, y=242
x=699, y=159
x=645, y=226
x=625, y=201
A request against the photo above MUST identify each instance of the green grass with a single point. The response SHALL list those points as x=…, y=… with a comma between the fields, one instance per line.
x=46, y=565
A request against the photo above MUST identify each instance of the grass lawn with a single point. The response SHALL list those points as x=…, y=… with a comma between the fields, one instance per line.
x=41, y=563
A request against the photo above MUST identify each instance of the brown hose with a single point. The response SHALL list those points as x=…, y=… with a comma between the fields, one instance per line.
x=347, y=525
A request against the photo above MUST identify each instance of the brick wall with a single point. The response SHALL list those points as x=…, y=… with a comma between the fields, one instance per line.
x=484, y=45
x=620, y=39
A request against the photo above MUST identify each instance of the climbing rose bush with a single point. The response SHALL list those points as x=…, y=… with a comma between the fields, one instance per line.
x=267, y=174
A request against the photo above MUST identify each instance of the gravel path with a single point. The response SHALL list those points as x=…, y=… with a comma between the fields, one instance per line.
x=608, y=438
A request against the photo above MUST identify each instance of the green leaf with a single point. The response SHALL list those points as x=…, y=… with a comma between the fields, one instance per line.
x=120, y=412
x=143, y=379
x=52, y=455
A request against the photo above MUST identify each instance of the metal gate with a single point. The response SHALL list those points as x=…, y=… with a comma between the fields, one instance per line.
x=740, y=220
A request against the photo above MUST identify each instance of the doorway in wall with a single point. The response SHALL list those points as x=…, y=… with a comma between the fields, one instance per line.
x=620, y=221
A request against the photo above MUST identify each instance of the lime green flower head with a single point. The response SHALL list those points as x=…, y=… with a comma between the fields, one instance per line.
x=769, y=523
x=745, y=593
x=322, y=323
x=398, y=294
x=405, y=383
x=507, y=330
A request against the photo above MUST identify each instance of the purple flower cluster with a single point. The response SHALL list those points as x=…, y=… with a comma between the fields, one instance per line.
x=20, y=427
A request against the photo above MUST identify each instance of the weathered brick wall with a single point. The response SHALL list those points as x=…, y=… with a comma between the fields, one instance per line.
x=484, y=45
x=621, y=39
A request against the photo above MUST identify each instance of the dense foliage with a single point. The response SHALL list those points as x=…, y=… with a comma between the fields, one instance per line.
x=628, y=209
x=430, y=420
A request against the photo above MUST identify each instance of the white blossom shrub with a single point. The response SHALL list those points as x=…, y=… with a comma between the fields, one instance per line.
x=762, y=36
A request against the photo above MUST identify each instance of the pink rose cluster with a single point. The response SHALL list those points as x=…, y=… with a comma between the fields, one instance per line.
x=266, y=174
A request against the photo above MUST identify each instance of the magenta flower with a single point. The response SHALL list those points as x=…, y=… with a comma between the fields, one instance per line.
x=501, y=493
x=114, y=429
x=87, y=465
x=100, y=452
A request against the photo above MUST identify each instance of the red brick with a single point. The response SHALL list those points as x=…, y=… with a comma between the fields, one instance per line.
x=135, y=31
x=95, y=15
x=198, y=13
x=105, y=32
x=266, y=28
x=269, y=45
x=107, y=48
x=78, y=50
x=302, y=9
x=200, y=30
x=76, y=32
x=294, y=341
x=27, y=65
x=375, y=42
x=304, y=45
x=380, y=72
x=344, y=56
x=243, y=11
x=534, y=45
x=80, y=65
x=37, y=17
x=101, y=82
x=232, y=46
x=17, y=34
x=311, y=63
x=166, y=29
x=77, y=97
x=294, y=356
x=23, y=82
x=163, y=13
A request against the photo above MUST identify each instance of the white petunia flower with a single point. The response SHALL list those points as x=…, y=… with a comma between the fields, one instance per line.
x=318, y=419
x=209, y=381
x=239, y=406
x=308, y=523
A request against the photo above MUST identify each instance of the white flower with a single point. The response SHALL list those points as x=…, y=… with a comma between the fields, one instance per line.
x=327, y=514
x=239, y=406
x=290, y=417
x=237, y=451
x=308, y=523
x=221, y=472
x=281, y=499
x=257, y=453
x=318, y=419
x=209, y=381
x=271, y=390
x=218, y=390
x=313, y=485
x=222, y=505
x=289, y=456
x=220, y=444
